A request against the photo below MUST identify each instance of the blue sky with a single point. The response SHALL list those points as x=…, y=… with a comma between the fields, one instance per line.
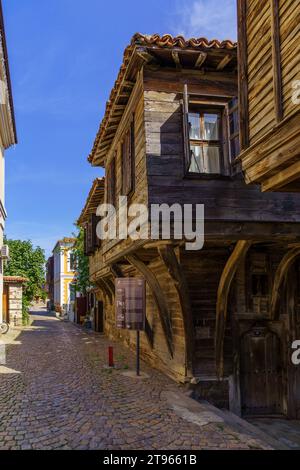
x=64, y=57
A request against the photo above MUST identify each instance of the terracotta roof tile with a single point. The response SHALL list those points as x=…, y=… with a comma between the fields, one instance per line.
x=179, y=41
x=15, y=279
x=95, y=197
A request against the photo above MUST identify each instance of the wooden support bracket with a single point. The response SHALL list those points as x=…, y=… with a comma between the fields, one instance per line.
x=168, y=256
x=282, y=270
x=227, y=277
x=159, y=297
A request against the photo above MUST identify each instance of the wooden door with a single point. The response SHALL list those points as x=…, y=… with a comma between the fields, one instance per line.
x=81, y=308
x=261, y=373
x=99, y=323
x=5, y=305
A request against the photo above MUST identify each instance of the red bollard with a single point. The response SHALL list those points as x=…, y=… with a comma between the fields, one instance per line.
x=111, y=357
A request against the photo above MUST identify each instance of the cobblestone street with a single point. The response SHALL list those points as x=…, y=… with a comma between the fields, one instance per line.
x=56, y=394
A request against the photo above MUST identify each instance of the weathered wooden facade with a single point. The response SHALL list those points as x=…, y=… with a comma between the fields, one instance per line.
x=269, y=83
x=93, y=303
x=222, y=317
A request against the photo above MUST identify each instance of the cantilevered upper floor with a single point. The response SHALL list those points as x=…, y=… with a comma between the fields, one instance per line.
x=170, y=134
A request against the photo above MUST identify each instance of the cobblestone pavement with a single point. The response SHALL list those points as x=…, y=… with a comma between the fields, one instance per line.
x=55, y=394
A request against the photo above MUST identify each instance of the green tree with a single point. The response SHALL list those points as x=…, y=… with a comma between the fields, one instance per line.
x=29, y=262
x=82, y=263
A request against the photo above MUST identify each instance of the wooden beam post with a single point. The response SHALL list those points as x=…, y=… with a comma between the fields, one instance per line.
x=159, y=297
x=243, y=73
x=282, y=270
x=116, y=271
x=276, y=52
x=227, y=277
x=168, y=256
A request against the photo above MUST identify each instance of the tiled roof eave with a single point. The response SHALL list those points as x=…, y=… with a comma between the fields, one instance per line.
x=15, y=279
x=98, y=185
x=166, y=41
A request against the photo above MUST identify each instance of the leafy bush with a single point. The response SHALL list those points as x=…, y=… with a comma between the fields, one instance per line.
x=27, y=261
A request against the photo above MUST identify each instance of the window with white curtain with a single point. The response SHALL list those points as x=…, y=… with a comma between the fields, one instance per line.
x=205, y=141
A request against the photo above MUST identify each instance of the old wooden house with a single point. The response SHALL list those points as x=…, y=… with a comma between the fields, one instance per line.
x=223, y=317
x=94, y=305
x=269, y=77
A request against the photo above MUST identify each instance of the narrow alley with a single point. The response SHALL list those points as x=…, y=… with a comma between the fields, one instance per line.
x=57, y=394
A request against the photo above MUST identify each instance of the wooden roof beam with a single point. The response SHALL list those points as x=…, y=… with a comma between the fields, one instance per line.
x=111, y=127
x=124, y=94
x=119, y=107
x=146, y=56
x=128, y=84
x=201, y=59
x=175, y=56
x=107, y=140
x=225, y=61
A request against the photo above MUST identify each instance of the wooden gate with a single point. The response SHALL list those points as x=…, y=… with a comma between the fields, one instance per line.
x=261, y=373
x=5, y=305
x=81, y=309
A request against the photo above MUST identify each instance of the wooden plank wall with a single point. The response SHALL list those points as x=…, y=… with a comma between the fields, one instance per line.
x=159, y=356
x=95, y=262
x=289, y=15
x=262, y=62
x=203, y=271
x=227, y=199
x=260, y=69
x=140, y=195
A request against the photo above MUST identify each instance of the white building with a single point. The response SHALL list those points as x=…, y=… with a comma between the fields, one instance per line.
x=64, y=274
x=8, y=137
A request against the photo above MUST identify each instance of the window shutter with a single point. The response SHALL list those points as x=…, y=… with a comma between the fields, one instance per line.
x=111, y=183
x=126, y=165
x=128, y=162
x=234, y=135
x=96, y=241
x=132, y=155
x=89, y=244
x=186, y=131
x=227, y=168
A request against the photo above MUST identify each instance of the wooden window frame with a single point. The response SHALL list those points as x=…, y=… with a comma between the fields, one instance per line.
x=202, y=143
x=91, y=241
x=73, y=262
x=88, y=239
x=232, y=136
x=252, y=271
x=210, y=105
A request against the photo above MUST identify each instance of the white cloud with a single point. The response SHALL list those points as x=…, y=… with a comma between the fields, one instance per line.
x=208, y=18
